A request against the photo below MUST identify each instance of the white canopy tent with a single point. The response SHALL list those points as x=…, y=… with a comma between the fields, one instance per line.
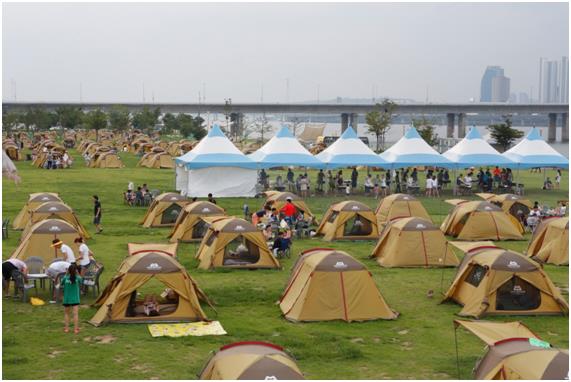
x=533, y=151
x=215, y=166
x=349, y=151
x=412, y=150
x=473, y=150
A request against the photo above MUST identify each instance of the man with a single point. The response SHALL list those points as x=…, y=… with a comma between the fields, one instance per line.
x=354, y=177
x=289, y=210
x=65, y=250
x=320, y=180
x=97, y=213
x=211, y=199
x=8, y=267
x=290, y=180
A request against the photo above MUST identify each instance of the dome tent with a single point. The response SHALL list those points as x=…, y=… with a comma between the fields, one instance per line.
x=413, y=242
x=278, y=199
x=349, y=151
x=118, y=303
x=251, y=360
x=533, y=151
x=216, y=166
x=515, y=205
x=480, y=220
x=234, y=243
x=326, y=284
x=34, y=200
x=348, y=220
x=284, y=150
x=164, y=210
x=473, y=150
x=550, y=241
x=494, y=281
x=412, y=150
x=399, y=206
x=55, y=210
x=190, y=226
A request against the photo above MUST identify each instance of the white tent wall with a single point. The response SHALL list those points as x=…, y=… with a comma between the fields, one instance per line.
x=181, y=178
x=221, y=182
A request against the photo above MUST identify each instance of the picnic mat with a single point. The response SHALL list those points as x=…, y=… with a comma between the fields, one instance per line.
x=212, y=328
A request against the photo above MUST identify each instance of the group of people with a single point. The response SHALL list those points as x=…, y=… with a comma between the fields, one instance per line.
x=139, y=197
x=56, y=159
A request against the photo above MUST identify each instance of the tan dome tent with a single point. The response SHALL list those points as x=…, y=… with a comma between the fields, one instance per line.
x=164, y=210
x=12, y=150
x=107, y=160
x=399, y=206
x=251, y=360
x=515, y=352
x=326, y=284
x=349, y=220
x=550, y=241
x=514, y=205
x=34, y=200
x=55, y=210
x=234, y=243
x=39, y=238
x=413, y=242
x=277, y=200
x=190, y=226
x=479, y=220
x=158, y=160
x=139, y=248
x=495, y=281
x=118, y=302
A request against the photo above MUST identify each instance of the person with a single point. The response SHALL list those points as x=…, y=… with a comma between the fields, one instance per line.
x=368, y=184
x=534, y=217
x=8, y=267
x=280, y=243
x=85, y=255
x=145, y=189
x=384, y=185
x=496, y=173
x=65, y=250
x=468, y=181
x=397, y=182
x=259, y=215
x=130, y=186
x=428, y=186
x=211, y=198
x=414, y=175
x=290, y=180
x=97, y=214
x=66, y=162
x=320, y=180
x=558, y=179
x=435, y=191
x=130, y=197
x=354, y=177
x=547, y=185
x=267, y=232
x=304, y=186
x=264, y=179
x=274, y=216
x=445, y=178
x=54, y=270
x=289, y=210
x=279, y=185
x=139, y=197
x=151, y=305
x=70, y=284
x=330, y=181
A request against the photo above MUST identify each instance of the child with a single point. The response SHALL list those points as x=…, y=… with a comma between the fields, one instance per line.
x=70, y=284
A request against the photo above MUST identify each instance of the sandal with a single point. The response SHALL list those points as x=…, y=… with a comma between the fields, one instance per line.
x=66, y=330
x=76, y=331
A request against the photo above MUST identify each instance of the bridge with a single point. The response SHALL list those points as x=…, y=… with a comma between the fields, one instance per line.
x=349, y=113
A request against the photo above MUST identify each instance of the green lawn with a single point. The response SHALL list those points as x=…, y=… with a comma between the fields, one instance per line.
x=418, y=345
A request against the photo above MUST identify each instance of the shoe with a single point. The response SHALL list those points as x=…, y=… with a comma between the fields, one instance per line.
x=66, y=330
x=52, y=301
x=76, y=331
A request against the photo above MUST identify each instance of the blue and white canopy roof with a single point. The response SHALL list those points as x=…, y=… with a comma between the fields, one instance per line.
x=473, y=150
x=533, y=151
x=284, y=150
x=412, y=150
x=349, y=150
x=215, y=150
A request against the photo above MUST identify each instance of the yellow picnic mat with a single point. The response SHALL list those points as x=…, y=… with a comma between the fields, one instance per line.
x=212, y=328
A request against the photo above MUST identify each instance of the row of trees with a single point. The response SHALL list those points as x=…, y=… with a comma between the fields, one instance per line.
x=117, y=119
x=379, y=124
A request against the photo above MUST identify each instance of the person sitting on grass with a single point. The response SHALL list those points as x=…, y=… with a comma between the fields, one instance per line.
x=70, y=284
x=548, y=185
x=281, y=243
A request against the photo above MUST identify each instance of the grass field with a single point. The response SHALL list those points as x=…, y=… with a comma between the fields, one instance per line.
x=418, y=345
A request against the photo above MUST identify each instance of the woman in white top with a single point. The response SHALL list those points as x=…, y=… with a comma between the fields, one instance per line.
x=428, y=186
x=85, y=255
x=65, y=250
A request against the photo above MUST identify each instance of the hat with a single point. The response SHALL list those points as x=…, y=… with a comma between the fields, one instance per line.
x=56, y=242
x=289, y=199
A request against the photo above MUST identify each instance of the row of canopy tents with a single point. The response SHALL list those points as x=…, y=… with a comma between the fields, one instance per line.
x=216, y=157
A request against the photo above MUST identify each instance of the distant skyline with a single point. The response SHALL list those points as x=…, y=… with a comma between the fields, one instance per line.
x=273, y=51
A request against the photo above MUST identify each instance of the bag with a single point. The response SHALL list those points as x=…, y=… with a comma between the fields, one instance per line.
x=37, y=301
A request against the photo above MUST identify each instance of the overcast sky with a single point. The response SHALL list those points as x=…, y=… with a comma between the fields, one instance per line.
x=235, y=49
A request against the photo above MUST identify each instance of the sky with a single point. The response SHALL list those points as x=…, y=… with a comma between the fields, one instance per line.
x=272, y=52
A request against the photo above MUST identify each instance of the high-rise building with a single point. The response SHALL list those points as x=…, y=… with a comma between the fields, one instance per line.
x=549, y=85
x=564, y=85
x=524, y=98
x=486, y=84
x=513, y=98
x=500, y=89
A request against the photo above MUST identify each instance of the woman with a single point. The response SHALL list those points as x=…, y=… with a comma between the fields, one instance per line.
x=70, y=284
x=85, y=255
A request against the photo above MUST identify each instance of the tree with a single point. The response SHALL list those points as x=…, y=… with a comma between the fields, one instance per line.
x=95, y=120
x=426, y=130
x=146, y=119
x=295, y=124
x=189, y=126
x=40, y=119
x=11, y=120
x=260, y=126
x=170, y=123
x=379, y=120
x=69, y=117
x=503, y=134
x=119, y=118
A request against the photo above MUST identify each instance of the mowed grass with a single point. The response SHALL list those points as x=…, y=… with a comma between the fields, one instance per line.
x=419, y=344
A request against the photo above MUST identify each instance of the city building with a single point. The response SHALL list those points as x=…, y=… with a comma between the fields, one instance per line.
x=548, y=81
x=486, y=84
x=564, y=92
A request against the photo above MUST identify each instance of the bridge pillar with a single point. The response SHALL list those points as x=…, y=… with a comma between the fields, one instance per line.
x=551, y=130
x=344, y=122
x=461, y=125
x=450, y=127
x=354, y=121
x=565, y=127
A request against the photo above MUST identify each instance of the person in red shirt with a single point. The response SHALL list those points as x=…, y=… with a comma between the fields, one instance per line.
x=289, y=209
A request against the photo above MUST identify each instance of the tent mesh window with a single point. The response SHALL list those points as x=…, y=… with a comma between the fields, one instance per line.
x=517, y=294
x=476, y=275
x=151, y=300
x=358, y=226
x=199, y=229
x=518, y=209
x=170, y=215
x=241, y=251
x=332, y=217
x=211, y=239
